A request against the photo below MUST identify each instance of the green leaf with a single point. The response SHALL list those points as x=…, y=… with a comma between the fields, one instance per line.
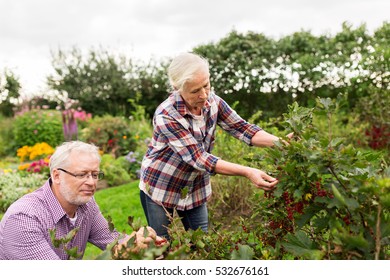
x=244, y=252
x=70, y=235
x=327, y=103
x=310, y=211
x=56, y=242
x=105, y=255
x=184, y=192
x=134, y=224
x=111, y=226
x=73, y=253
x=337, y=142
x=357, y=242
x=321, y=223
x=200, y=244
x=350, y=241
x=300, y=245
x=352, y=204
x=148, y=189
x=298, y=193
x=385, y=200
x=130, y=220
x=338, y=195
x=146, y=232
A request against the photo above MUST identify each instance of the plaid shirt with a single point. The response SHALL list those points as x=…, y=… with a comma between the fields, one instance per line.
x=177, y=166
x=24, y=229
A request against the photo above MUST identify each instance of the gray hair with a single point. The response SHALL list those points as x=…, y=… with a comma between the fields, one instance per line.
x=184, y=67
x=60, y=157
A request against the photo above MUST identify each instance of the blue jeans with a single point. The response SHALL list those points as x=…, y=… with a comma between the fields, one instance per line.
x=157, y=218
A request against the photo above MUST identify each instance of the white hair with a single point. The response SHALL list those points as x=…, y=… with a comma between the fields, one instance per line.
x=184, y=67
x=60, y=157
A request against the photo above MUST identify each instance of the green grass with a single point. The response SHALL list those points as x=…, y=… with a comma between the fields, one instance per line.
x=119, y=203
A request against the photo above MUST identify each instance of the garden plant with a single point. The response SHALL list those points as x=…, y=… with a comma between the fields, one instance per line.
x=332, y=202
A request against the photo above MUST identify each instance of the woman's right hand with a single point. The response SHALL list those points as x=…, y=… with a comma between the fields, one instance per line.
x=261, y=179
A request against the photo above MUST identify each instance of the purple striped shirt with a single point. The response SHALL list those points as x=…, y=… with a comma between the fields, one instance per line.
x=177, y=166
x=24, y=229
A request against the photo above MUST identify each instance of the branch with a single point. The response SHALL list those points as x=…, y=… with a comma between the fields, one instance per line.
x=330, y=168
x=378, y=233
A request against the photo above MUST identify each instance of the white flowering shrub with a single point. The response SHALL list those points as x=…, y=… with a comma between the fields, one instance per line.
x=15, y=185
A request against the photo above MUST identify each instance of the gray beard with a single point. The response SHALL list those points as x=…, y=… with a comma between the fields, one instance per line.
x=71, y=197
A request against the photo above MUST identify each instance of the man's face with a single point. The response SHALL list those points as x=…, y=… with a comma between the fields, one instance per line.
x=78, y=191
x=196, y=91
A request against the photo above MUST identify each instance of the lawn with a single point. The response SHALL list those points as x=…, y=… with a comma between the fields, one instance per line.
x=119, y=203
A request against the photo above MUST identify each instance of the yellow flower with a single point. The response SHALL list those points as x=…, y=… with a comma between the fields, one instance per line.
x=124, y=137
x=23, y=166
x=308, y=196
x=38, y=150
x=23, y=152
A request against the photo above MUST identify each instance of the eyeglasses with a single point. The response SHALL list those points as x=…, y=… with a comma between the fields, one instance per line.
x=85, y=175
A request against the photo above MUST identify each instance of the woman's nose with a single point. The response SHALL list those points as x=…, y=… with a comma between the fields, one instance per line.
x=204, y=93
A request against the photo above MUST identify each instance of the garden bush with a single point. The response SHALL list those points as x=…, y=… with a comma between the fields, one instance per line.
x=373, y=110
x=8, y=163
x=110, y=134
x=343, y=125
x=14, y=185
x=7, y=142
x=231, y=194
x=38, y=126
x=141, y=126
x=332, y=200
x=116, y=170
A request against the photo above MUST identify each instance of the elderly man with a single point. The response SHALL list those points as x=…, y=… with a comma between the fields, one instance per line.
x=65, y=202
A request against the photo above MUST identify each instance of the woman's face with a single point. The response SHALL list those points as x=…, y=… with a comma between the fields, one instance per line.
x=196, y=92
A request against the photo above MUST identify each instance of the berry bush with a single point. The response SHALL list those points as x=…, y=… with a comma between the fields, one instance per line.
x=332, y=200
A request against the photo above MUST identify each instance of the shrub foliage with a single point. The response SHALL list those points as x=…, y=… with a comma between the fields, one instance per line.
x=332, y=200
x=38, y=126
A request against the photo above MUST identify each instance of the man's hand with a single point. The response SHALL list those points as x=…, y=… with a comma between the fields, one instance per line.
x=142, y=240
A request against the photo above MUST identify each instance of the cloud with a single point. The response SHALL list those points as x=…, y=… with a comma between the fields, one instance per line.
x=29, y=30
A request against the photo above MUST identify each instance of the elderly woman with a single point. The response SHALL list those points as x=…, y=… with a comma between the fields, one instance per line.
x=176, y=168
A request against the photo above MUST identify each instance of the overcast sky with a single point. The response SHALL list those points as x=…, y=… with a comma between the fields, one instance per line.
x=144, y=29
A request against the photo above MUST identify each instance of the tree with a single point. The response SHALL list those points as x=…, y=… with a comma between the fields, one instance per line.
x=239, y=67
x=103, y=83
x=9, y=94
x=98, y=82
x=267, y=75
